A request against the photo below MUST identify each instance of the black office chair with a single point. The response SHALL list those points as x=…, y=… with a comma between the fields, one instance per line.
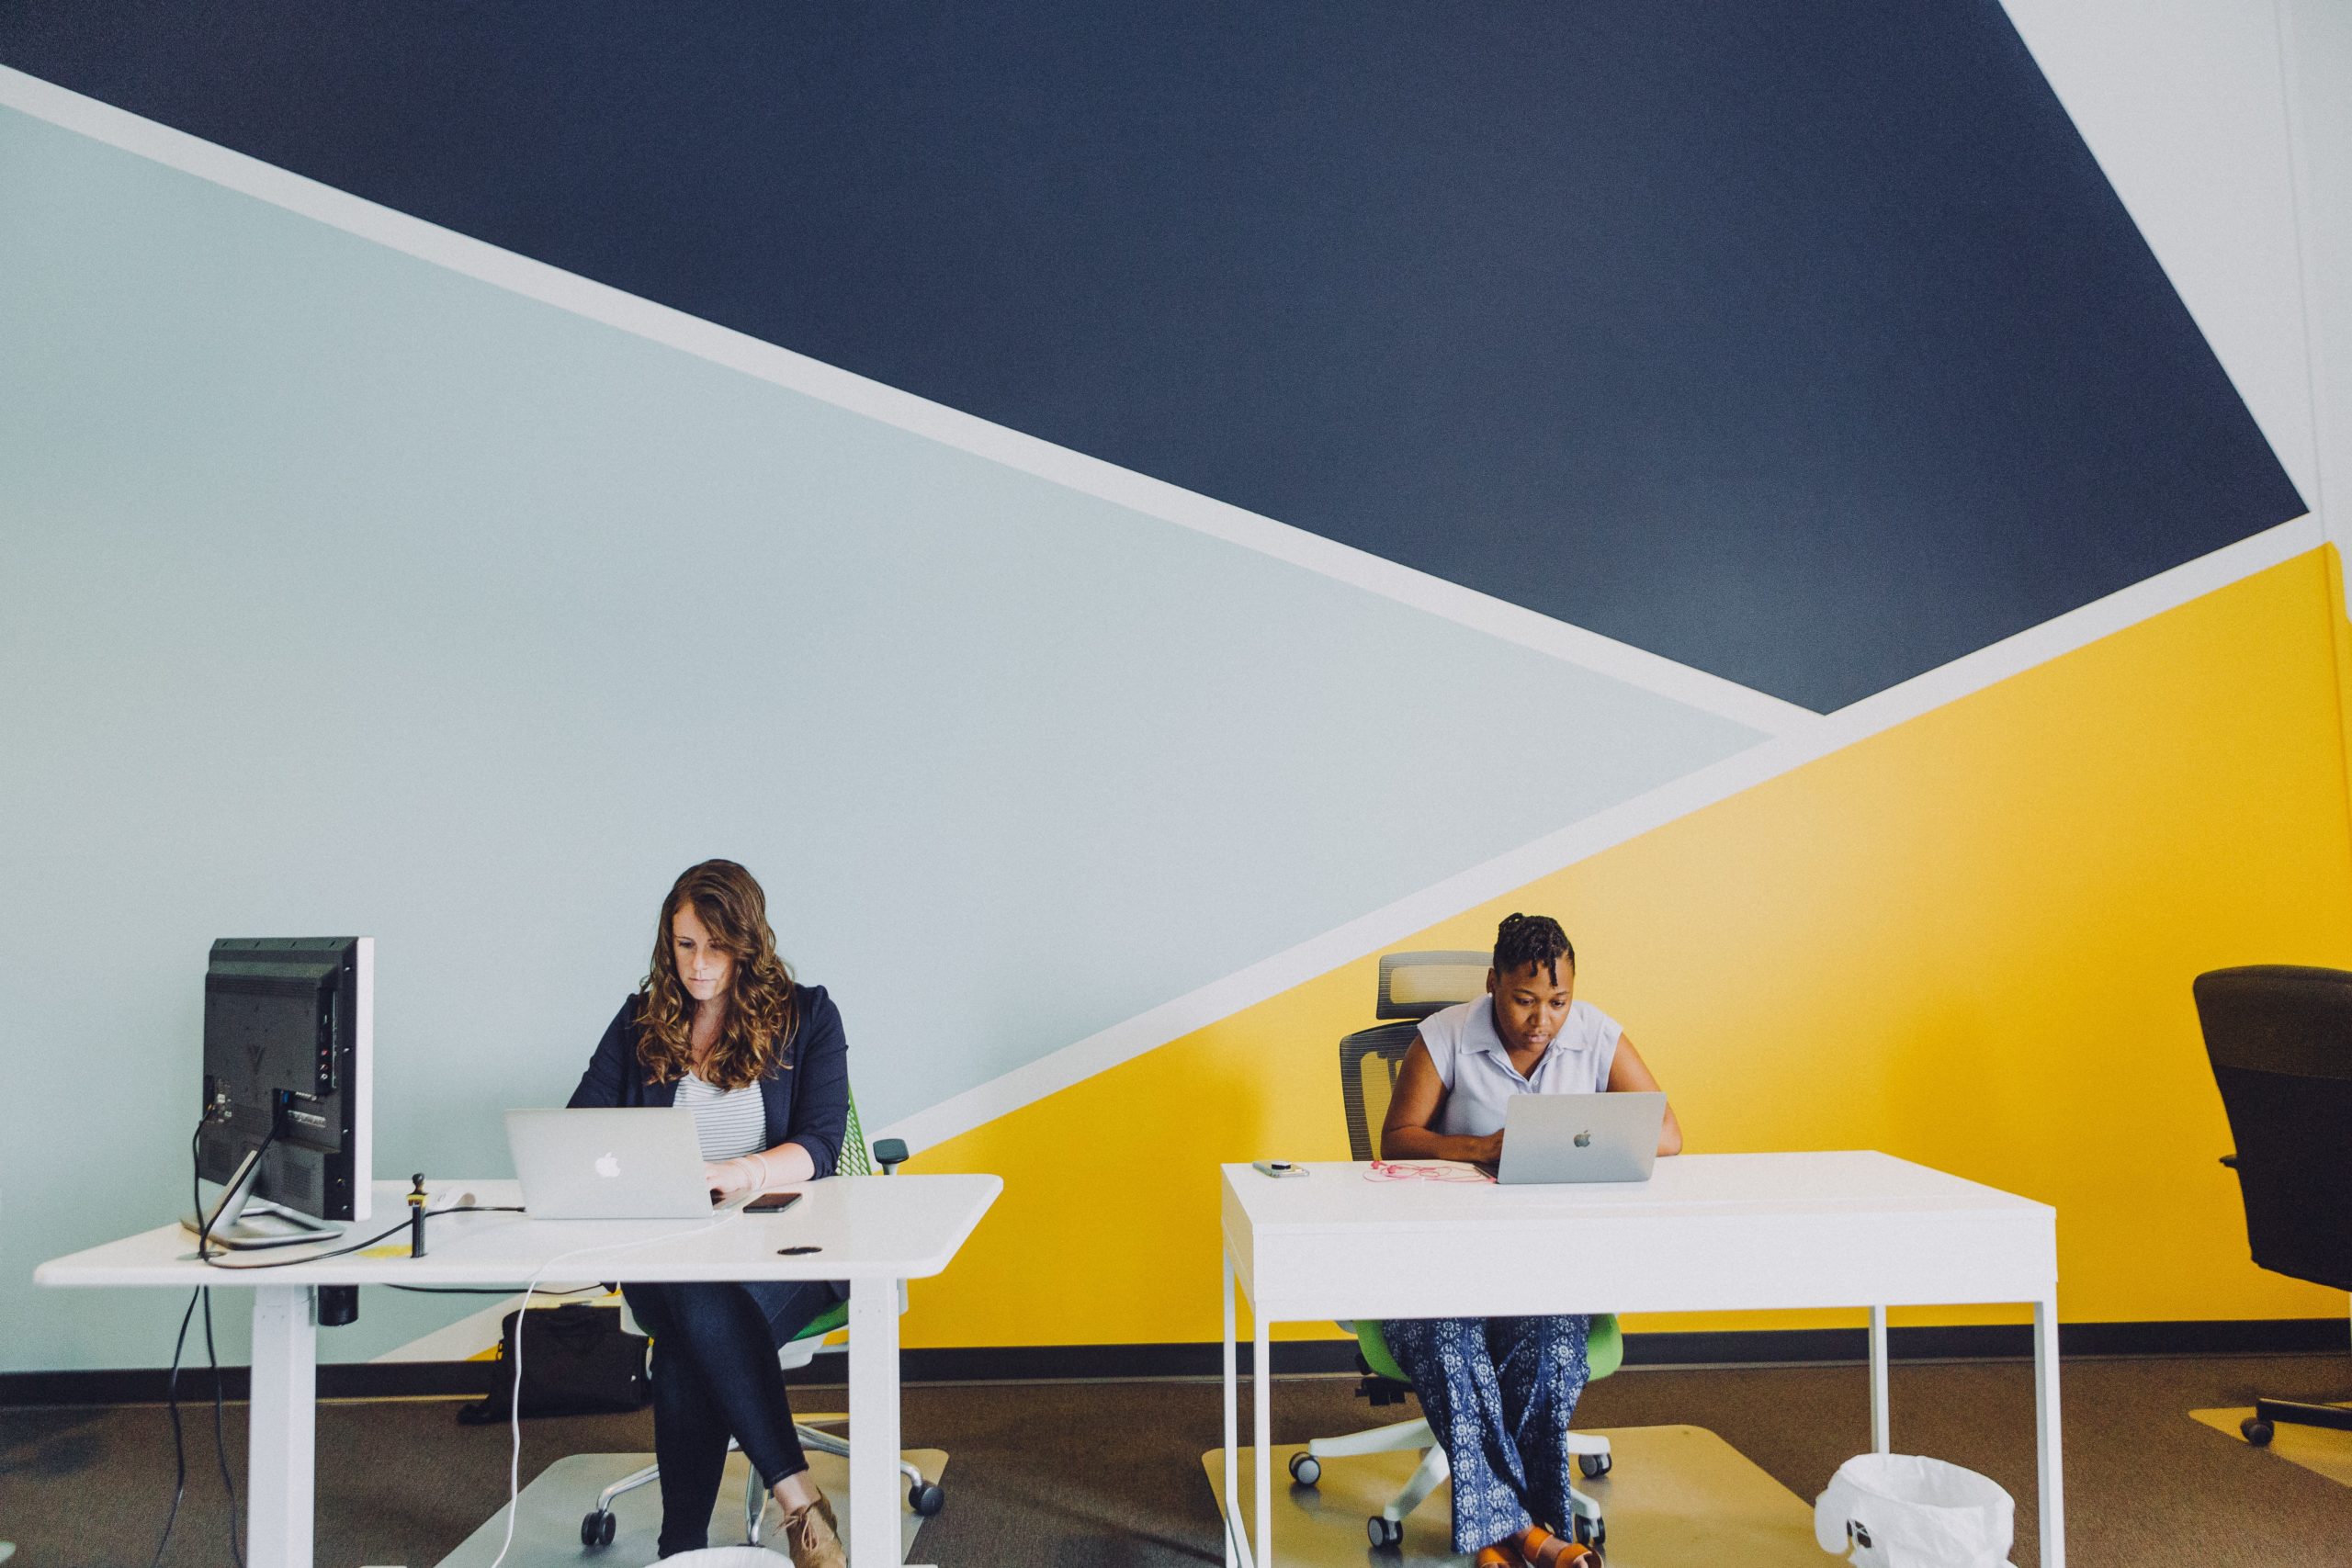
x=2280, y=1038
x=1412, y=986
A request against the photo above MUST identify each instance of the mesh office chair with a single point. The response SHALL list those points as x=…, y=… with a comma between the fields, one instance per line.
x=1412, y=986
x=924, y=1496
x=2280, y=1039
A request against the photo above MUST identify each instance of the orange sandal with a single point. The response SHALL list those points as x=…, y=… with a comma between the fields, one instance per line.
x=1541, y=1549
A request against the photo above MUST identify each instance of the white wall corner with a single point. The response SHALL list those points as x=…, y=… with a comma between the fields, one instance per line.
x=2315, y=70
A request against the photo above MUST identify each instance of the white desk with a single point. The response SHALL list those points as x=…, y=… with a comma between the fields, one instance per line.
x=874, y=1232
x=1707, y=1232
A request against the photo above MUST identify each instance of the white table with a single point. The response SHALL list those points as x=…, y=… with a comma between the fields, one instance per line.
x=1707, y=1232
x=874, y=1231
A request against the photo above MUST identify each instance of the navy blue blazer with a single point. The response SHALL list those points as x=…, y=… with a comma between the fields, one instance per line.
x=806, y=1097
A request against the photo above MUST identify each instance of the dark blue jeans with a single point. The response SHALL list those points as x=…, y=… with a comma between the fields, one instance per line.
x=714, y=1375
x=1498, y=1393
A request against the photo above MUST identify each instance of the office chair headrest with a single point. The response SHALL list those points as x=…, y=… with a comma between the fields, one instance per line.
x=2278, y=1018
x=1415, y=985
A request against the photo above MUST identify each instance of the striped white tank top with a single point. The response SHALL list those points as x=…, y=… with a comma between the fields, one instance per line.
x=730, y=1123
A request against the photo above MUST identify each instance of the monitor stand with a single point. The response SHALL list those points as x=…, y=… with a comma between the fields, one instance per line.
x=241, y=1222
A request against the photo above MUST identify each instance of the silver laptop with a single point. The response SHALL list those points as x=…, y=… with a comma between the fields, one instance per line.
x=638, y=1163
x=1580, y=1137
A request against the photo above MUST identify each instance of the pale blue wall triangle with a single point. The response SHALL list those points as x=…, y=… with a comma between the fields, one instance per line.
x=343, y=594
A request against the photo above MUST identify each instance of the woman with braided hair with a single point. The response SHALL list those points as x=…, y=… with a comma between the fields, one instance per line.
x=723, y=1029
x=1499, y=1391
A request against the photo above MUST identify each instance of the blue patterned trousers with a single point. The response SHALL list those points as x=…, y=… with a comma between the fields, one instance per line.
x=1499, y=1392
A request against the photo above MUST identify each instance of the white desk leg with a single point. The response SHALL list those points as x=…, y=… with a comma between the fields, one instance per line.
x=873, y=1423
x=1232, y=1427
x=281, y=1443
x=1882, y=1440
x=2053, y=1499
x=1261, y=1421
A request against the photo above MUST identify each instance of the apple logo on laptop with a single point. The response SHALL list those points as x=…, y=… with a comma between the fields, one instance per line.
x=1584, y=1140
x=607, y=1165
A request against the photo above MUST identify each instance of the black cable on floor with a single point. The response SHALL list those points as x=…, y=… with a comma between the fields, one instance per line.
x=221, y=1442
x=179, y=1447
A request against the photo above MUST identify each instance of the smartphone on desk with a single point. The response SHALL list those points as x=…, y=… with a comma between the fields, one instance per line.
x=1277, y=1168
x=772, y=1203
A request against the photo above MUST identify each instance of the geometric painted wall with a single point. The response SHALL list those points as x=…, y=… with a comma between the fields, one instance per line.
x=1117, y=528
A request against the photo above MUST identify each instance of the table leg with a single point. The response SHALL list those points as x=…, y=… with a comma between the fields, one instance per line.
x=1261, y=1420
x=281, y=1443
x=1881, y=1440
x=2052, y=1487
x=874, y=1422
x=1232, y=1428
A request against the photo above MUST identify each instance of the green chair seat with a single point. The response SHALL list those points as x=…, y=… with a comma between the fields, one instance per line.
x=824, y=1323
x=1604, y=1349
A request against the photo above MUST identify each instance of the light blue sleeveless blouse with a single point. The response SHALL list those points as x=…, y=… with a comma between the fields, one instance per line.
x=1475, y=1065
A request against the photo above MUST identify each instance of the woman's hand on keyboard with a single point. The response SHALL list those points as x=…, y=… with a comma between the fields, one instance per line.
x=728, y=1177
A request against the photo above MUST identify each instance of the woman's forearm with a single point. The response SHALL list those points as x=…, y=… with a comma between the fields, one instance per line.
x=786, y=1165
x=1420, y=1143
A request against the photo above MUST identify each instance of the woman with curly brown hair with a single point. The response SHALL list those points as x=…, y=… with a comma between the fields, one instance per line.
x=723, y=1029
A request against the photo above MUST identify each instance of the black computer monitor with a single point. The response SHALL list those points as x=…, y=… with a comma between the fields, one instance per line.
x=289, y=1043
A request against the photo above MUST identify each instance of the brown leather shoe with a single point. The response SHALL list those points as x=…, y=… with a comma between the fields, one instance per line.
x=812, y=1537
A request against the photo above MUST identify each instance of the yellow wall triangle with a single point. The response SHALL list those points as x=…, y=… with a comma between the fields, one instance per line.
x=1966, y=940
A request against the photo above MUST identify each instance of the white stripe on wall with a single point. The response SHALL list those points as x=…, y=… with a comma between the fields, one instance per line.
x=1554, y=851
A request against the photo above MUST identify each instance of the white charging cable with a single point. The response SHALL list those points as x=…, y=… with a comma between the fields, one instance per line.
x=514, y=1398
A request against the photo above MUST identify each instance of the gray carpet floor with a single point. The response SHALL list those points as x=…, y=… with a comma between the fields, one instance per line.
x=1108, y=1475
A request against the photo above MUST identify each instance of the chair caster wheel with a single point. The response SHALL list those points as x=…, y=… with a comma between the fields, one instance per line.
x=1595, y=1466
x=596, y=1528
x=1384, y=1532
x=1593, y=1533
x=2257, y=1431
x=925, y=1498
x=1305, y=1468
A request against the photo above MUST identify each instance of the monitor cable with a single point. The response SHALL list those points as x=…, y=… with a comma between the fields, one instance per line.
x=179, y=1447
x=514, y=1416
x=205, y=1222
x=206, y=1255
x=219, y=1441
x=515, y=1397
x=364, y=1244
x=203, y=1293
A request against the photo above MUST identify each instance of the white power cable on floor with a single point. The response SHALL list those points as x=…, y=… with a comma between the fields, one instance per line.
x=514, y=1395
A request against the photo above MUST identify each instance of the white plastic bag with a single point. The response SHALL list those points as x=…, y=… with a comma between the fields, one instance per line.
x=1902, y=1511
